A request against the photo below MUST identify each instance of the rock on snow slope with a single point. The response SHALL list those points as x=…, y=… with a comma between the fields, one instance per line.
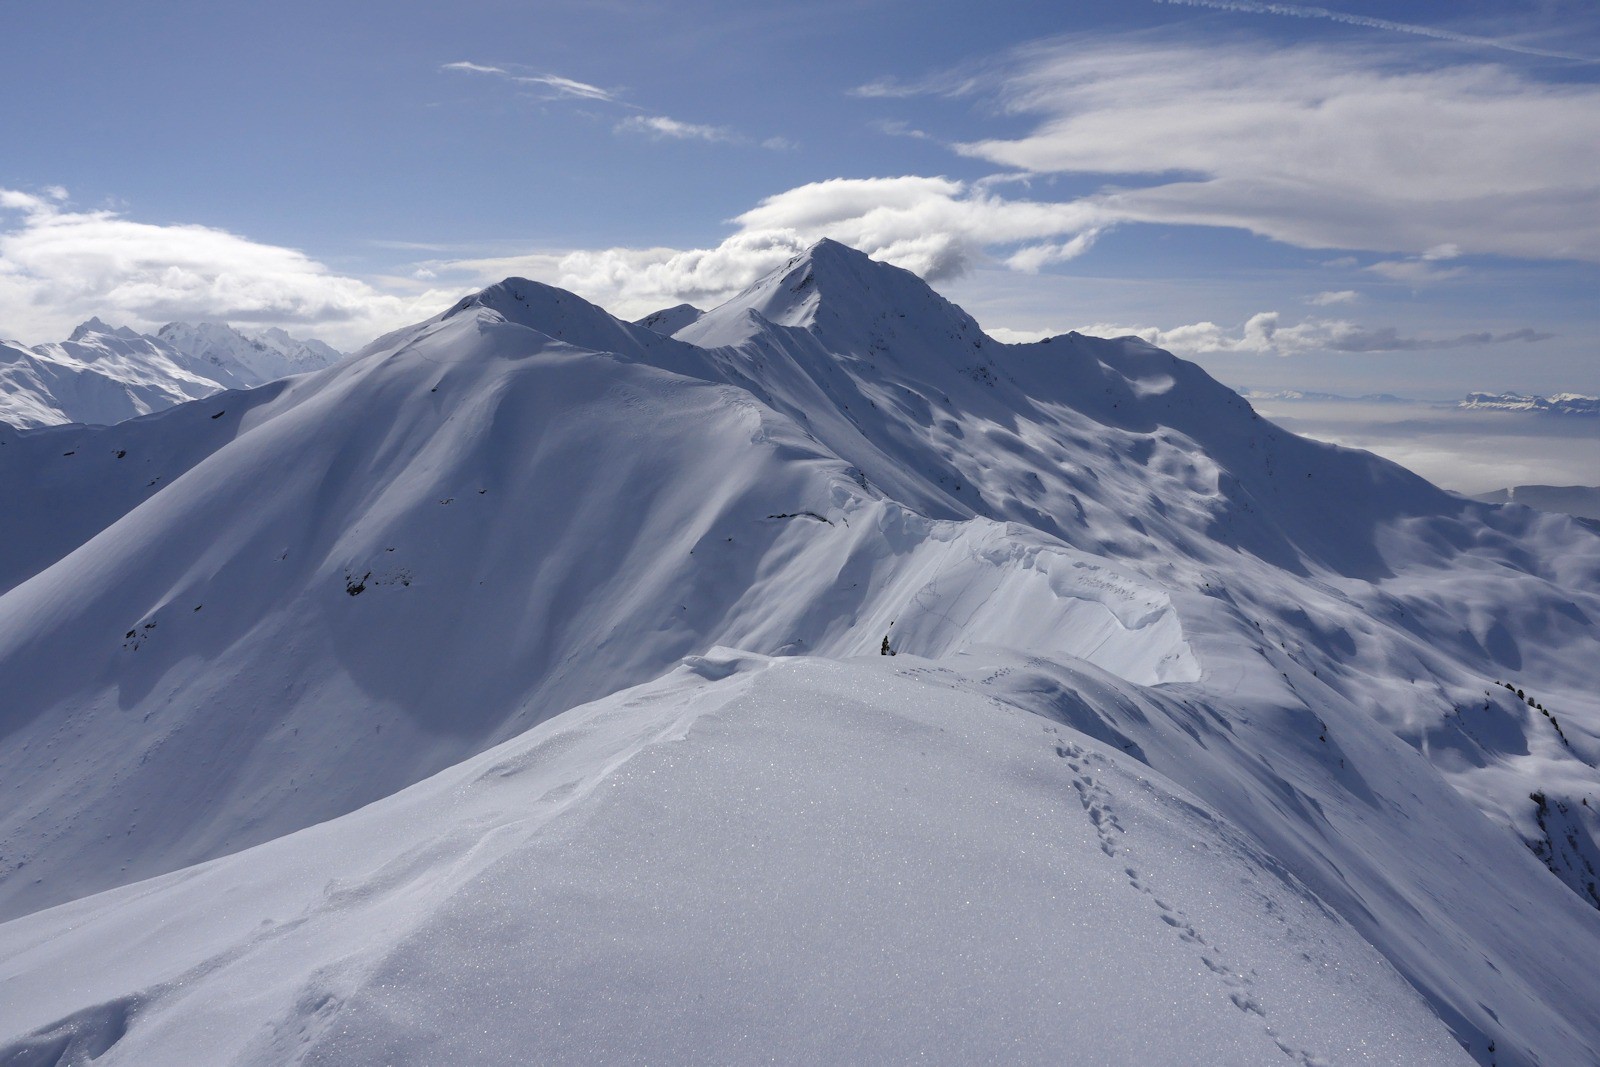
x=1195, y=722
x=105, y=374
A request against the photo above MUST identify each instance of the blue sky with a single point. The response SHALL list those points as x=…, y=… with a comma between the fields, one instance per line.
x=1356, y=197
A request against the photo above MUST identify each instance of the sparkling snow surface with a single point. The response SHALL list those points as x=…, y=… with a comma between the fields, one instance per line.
x=1195, y=749
x=792, y=859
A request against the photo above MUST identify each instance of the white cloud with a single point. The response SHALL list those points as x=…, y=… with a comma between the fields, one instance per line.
x=658, y=127
x=930, y=225
x=1419, y=270
x=1304, y=11
x=663, y=127
x=59, y=266
x=560, y=86
x=1340, y=296
x=1263, y=334
x=1311, y=146
x=1031, y=257
x=476, y=68
x=897, y=128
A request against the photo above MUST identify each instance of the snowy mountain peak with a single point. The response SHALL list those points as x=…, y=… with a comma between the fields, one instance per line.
x=237, y=359
x=850, y=301
x=560, y=315
x=95, y=327
x=669, y=321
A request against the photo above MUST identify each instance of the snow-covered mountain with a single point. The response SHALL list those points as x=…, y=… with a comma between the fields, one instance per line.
x=101, y=374
x=104, y=374
x=1312, y=395
x=670, y=320
x=1555, y=404
x=511, y=691
x=237, y=359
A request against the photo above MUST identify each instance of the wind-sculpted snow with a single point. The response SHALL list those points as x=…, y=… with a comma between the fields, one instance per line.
x=690, y=872
x=352, y=582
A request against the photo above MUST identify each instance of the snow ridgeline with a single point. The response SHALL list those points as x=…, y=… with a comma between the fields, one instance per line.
x=1194, y=722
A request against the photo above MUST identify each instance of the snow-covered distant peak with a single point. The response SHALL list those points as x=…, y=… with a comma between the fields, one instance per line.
x=97, y=332
x=1309, y=395
x=298, y=351
x=669, y=321
x=1554, y=404
x=89, y=327
x=235, y=358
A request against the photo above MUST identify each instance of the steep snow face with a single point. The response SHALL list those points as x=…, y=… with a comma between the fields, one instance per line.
x=64, y=484
x=391, y=565
x=605, y=887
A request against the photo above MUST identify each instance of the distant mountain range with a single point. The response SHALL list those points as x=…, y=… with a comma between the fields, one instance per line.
x=104, y=374
x=1582, y=501
x=1297, y=394
x=1554, y=404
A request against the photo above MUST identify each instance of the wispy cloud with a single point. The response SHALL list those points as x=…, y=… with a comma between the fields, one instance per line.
x=1414, y=271
x=672, y=129
x=558, y=85
x=1264, y=334
x=1340, y=296
x=1299, y=11
x=897, y=128
x=1311, y=145
x=948, y=83
x=654, y=126
x=476, y=68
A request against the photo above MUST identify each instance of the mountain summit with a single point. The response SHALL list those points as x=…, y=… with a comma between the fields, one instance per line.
x=826, y=680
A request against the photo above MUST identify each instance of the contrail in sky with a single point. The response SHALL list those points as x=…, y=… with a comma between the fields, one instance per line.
x=1252, y=7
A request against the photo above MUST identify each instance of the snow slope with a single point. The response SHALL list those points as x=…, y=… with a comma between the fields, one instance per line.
x=357, y=579
x=104, y=375
x=679, y=872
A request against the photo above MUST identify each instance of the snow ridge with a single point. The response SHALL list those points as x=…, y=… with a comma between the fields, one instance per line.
x=532, y=628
